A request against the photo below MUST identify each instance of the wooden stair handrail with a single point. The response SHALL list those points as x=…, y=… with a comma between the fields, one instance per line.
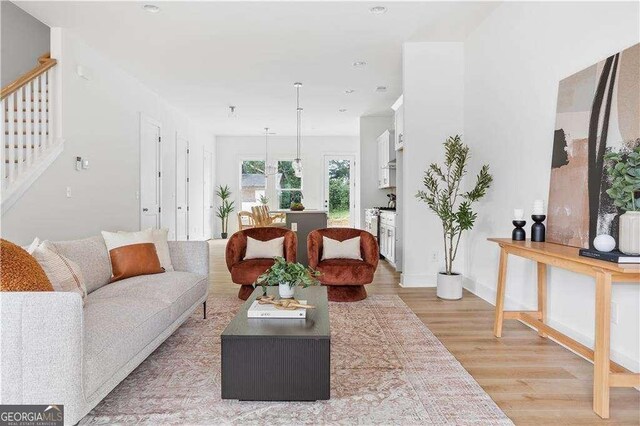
x=46, y=63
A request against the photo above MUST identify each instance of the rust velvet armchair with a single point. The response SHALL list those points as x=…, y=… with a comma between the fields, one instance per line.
x=245, y=272
x=344, y=278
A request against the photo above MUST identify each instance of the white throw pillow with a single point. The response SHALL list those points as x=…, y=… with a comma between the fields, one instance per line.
x=124, y=238
x=162, y=247
x=257, y=249
x=64, y=274
x=160, y=238
x=347, y=249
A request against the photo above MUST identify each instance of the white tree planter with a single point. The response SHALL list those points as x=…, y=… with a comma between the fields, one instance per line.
x=449, y=286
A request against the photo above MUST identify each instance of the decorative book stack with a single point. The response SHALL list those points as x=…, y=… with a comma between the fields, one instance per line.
x=259, y=310
x=614, y=256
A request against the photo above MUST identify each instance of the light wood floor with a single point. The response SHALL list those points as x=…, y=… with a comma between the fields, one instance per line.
x=533, y=380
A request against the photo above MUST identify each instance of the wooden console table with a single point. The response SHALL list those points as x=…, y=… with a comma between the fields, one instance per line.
x=606, y=374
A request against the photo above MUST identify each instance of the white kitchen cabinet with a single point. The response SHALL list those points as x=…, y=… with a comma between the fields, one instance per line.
x=386, y=160
x=398, y=108
x=388, y=236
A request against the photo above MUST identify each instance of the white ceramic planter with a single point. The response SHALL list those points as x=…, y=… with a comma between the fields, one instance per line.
x=449, y=286
x=629, y=233
x=285, y=291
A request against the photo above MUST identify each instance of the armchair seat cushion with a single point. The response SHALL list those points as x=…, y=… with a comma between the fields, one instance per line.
x=247, y=271
x=345, y=272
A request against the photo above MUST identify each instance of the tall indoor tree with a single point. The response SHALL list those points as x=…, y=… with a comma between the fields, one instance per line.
x=444, y=196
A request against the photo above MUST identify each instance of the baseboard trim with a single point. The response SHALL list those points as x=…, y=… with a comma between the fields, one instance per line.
x=489, y=295
x=417, y=280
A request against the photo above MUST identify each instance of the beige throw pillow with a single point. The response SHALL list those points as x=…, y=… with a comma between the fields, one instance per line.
x=160, y=238
x=257, y=249
x=347, y=249
x=64, y=274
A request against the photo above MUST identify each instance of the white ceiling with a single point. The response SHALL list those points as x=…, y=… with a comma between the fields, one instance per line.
x=204, y=56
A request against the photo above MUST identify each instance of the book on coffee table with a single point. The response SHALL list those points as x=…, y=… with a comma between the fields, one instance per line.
x=256, y=310
x=614, y=256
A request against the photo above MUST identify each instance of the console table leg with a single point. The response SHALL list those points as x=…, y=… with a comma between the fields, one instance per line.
x=542, y=294
x=502, y=277
x=601, y=347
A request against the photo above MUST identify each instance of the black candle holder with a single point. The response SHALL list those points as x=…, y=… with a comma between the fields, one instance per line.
x=518, y=233
x=538, y=229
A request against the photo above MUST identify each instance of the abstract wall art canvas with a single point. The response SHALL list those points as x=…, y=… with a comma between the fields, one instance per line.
x=598, y=111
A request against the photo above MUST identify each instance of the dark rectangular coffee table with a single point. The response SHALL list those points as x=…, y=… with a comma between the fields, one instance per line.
x=265, y=359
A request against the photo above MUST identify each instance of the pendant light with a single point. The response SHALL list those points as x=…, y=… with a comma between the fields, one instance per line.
x=269, y=169
x=297, y=162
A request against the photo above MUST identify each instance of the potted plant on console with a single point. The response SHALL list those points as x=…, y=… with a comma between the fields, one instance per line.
x=444, y=196
x=623, y=170
x=287, y=276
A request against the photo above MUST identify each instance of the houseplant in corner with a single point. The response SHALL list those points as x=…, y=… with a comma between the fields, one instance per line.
x=623, y=170
x=444, y=196
x=287, y=276
x=225, y=208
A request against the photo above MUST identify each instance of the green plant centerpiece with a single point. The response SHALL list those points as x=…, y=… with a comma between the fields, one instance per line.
x=225, y=208
x=287, y=276
x=445, y=197
x=296, y=202
x=623, y=172
x=264, y=200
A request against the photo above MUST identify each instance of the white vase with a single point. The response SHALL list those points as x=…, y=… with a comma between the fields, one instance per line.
x=629, y=233
x=286, y=291
x=449, y=286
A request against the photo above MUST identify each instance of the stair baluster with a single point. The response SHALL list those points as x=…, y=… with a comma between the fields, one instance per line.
x=28, y=126
x=10, y=137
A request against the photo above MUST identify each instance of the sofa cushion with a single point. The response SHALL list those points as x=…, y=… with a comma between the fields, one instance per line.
x=115, y=330
x=345, y=272
x=246, y=272
x=180, y=290
x=121, y=319
x=91, y=255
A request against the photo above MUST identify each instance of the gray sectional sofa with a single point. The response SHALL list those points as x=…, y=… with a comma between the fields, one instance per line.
x=55, y=351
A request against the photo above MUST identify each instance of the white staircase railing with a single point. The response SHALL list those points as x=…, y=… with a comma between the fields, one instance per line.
x=28, y=132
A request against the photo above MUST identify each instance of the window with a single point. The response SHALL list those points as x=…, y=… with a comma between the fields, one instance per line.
x=253, y=184
x=288, y=186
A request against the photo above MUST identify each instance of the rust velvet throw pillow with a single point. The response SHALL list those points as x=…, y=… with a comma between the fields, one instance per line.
x=132, y=254
x=19, y=271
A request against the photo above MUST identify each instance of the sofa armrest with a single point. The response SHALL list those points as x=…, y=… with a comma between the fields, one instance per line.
x=41, y=347
x=190, y=256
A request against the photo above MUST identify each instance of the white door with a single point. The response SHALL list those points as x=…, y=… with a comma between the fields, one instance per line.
x=339, y=190
x=150, y=173
x=182, y=188
x=208, y=195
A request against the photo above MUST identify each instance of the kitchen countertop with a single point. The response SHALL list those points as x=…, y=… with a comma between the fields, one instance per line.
x=299, y=212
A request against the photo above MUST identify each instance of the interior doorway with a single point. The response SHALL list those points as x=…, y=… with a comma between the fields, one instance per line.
x=150, y=173
x=208, y=195
x=182, y=188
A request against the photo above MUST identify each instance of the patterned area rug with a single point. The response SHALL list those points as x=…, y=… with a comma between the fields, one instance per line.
x=386, y=368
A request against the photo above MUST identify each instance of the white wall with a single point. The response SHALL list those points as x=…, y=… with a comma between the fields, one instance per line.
x=433, y=111
x=371, y=127
x=230, y=150
x=101, y=124
x=513, y=63
x=23, y=39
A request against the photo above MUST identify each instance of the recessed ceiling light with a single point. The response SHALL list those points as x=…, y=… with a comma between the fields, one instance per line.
x=349, y=91
x=342, y=110
x=381, y=89
x=151, y=8
x=378, y=10
x=359, y=64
